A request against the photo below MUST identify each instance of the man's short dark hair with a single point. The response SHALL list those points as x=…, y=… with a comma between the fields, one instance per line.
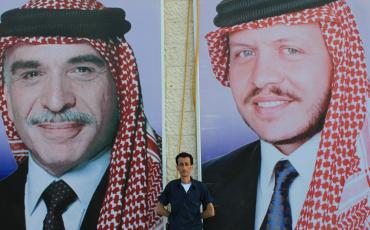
x=184, y=155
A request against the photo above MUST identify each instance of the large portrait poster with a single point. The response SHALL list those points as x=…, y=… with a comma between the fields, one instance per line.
x=274, y=86
x=145, y=42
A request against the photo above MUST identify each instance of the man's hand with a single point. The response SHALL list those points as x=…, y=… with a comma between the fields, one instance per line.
x=209, y=212
x=160, y=210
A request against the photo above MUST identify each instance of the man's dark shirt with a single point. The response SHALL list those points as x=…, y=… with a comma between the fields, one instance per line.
x=185, y=206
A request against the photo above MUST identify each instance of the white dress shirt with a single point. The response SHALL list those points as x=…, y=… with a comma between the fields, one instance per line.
x=84, y=179
x=303, y=159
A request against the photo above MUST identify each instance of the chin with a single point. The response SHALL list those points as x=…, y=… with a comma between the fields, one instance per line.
x=274, y=132
x=272, y=136
x=57, y=167
x=59, y=159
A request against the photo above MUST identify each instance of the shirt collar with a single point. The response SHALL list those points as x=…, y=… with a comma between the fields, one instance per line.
x=191, y=182
x=83, y=179
x=179, y=180
x=303, y=159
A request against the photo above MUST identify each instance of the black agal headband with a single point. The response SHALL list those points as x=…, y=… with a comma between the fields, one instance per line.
x=233, y=12
x=104, y=23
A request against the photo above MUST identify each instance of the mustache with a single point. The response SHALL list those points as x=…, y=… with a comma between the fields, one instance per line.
x=273, y=90
x=65, y=116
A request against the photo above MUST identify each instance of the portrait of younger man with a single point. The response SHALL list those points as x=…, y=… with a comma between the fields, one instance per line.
x=297, y=74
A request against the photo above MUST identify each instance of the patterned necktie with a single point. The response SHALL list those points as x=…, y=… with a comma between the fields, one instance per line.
x=279, y=215
x=57, y=196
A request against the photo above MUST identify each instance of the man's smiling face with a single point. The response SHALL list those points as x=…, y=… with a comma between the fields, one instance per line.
x=62, y=101
x=280, y=78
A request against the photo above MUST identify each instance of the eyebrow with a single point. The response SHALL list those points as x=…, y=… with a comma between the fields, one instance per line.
x=277, y=41
x=87, y=58
x=291, y=39
x=24, y=65
x=17, y=65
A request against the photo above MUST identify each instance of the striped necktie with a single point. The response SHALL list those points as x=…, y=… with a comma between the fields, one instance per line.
x=279, y=215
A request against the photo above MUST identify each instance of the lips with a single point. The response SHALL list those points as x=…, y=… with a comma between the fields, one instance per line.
x=270, y=106
x=60, y=131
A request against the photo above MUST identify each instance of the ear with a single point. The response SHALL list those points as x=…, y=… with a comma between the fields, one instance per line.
x=8, y=102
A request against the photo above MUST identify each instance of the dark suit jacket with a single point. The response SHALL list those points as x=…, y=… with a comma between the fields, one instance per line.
x=232, y=180
x=12, y=201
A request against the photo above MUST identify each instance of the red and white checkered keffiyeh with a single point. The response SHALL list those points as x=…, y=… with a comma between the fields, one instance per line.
x=135, y=174
x=339, y=192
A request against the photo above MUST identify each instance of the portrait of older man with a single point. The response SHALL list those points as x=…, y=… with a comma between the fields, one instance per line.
x=71, y=97
x=297, y=74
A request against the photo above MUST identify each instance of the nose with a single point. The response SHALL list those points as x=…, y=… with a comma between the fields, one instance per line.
x=57, y=96
x=267, y=70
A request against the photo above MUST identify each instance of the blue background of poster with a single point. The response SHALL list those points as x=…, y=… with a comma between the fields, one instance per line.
x=7, y=162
